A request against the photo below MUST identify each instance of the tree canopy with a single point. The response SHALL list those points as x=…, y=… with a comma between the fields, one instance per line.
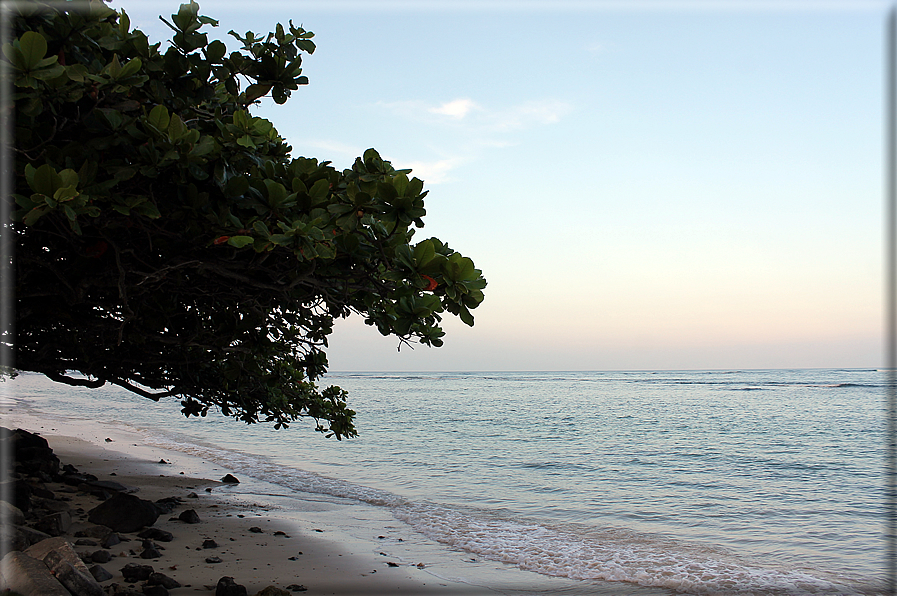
x=167, y=242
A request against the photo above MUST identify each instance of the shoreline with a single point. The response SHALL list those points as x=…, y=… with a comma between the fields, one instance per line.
x=328, y=546
x=258, y=546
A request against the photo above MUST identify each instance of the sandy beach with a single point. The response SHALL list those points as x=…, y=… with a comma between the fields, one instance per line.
x=265, y=538
x=256, y=544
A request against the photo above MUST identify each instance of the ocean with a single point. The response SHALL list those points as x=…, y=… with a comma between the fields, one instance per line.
x=760, y=482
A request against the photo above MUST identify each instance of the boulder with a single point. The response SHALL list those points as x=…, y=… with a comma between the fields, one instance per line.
x=100, y=556
x=10, y=514
x=62, y=548
x=23, y=537
x=133, y=573
x=79, y=583
x=17, y=493
x=189, y=516
x=156, y=534
x=230, y=479
x=55, y=524
x=124, y=513
x=100, y=574
x=228, y=587
x=272, y=591
x=26, y=575
x=32, y=454
x=162, y=580
x=99, y=532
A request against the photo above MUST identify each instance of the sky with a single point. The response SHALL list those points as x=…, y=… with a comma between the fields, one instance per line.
x=645, y=185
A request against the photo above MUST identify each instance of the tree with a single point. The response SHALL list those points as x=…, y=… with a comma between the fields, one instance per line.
x=167, y=242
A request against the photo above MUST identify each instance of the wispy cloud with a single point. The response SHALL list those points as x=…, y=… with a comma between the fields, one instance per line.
x=434, y=172
x=528, y=114
x=468, y=113
x=457, y=109
x=329, y=150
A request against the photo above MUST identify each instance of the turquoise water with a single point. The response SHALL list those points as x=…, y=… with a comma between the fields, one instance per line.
x=701, y=482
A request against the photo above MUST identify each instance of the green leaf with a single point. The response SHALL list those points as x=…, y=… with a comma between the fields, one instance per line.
x=34, y=215
x=215, y=51
x=319, y=190
x=132, y=67
x=66, y=193
x=400, y=183
x=33, y=47
x=239, y=241
x=256, y=90
x=159, y=118
x=44, y=180
x=148, y=209
x=424, y=253
x=68, y=177
x=176, y=128
x=261, y=228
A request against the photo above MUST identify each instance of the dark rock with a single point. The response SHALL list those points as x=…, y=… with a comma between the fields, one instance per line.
x=77, y=582
x=11, y=514
x=213, y=559
x=255, y=530
x=49, y=505
x=133, y=573
x=111, y=540
x=100, y=574
x=280, y=533
x=39, y=490
x=77, y=478
x=228, y=587
x=100, y=556
x=17, y=494
x=69, y=469
x=55, y=524
x=119, y=590
x=32, y=453
x=124, y=513
x=104, y=488
x=209, y=543
x=98, y=532
x=150, y=552
x=192, y=496
x=25, y=537
x=230, y=479
x=156, y=534
x=85, y=542
x=163, y=580
x=162, y=461
x=167, y=505
x=296, y=588
x=391, y=564
x=155, y=590
x=72, y=573
x=26, y=575
x=272, y=591
x=189, y=516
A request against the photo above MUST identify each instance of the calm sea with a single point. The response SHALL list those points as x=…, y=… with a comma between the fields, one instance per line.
x=699, y=482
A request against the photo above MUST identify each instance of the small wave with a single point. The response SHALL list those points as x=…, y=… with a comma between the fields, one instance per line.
x=613, y=555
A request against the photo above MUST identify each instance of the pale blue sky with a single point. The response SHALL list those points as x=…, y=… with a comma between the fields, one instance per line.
x=645, y=185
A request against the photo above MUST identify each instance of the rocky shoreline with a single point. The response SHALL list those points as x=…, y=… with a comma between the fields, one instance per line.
x=69, y=533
